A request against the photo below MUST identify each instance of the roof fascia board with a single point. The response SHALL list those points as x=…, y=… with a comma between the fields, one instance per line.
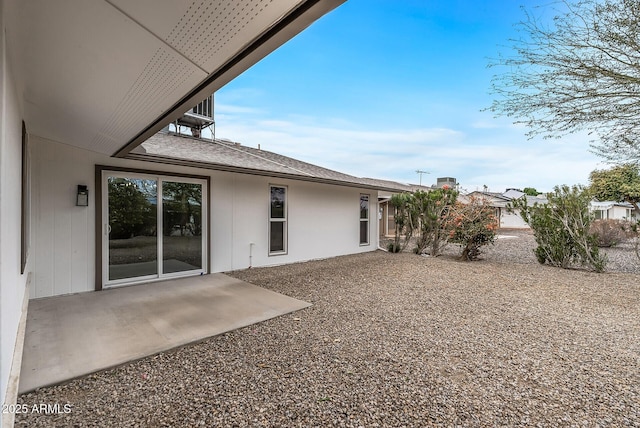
x=282, y=31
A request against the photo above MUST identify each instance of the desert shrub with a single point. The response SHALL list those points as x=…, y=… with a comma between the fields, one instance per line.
x=562, y=228
x=472, y=226
x=431, y=209
x=609, y=232
x=634, y=233
x=404, y=217
x=392, y=247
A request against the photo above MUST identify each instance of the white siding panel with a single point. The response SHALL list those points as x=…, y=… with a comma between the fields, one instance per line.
x=12, y=283
x=250, y=220
x=81, y=250
x=619, y=213
x=220, y=250
x=43, y=241
x=62, y=221
x=325, y=220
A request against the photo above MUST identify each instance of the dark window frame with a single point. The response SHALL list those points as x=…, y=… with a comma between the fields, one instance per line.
x=365, y=219
x=25, y=203
x=284, y=220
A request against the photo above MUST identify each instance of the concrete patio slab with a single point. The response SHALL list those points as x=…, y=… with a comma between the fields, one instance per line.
x=71, y=336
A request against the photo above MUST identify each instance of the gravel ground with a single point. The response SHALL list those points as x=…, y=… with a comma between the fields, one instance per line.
x=517, y=245
x=394, y=340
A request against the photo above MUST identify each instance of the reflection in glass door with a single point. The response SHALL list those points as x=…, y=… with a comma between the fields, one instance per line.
x=133, y=213
x=154, y=227
x=182, y=226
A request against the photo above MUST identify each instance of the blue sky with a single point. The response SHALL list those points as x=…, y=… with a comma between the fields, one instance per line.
x=382, y=88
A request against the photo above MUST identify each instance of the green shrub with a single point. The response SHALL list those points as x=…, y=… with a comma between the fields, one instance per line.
x=431, y=209
x=392, y=247
x=404, y=217
x=562, y=229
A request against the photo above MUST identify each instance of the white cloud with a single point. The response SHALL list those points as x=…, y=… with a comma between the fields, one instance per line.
x=499, y=156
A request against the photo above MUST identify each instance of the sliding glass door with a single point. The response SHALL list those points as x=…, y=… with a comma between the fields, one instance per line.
x=154, y=227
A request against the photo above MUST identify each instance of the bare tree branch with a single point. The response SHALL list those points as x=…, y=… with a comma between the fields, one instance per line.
x=582, y=72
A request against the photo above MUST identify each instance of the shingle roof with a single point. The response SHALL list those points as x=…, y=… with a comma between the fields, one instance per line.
x=513, y=194
x=609, y=204
x=228, y=156
x=394, y=184
x=490, y=194
x=540, y=199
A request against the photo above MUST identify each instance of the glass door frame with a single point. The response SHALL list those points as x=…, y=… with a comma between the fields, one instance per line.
x=102, y=224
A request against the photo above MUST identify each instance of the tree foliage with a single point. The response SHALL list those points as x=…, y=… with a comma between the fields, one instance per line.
x=562, y=228
x=432, y=208
x=582, y=72
x=620, y=183
x=130, y=211
x=182, y=208
x=472, y=225
x=403, y=217
x=531, y=191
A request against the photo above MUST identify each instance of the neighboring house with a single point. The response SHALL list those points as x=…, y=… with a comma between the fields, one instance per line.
x=82, y=85
x=499, y=202
x=610, y=210
x=509, y=218
x=508, y=221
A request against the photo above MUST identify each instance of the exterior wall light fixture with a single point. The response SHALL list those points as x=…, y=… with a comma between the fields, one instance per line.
x=82, y=198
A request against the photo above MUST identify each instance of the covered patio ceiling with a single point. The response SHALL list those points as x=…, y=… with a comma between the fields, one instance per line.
x=105, y=75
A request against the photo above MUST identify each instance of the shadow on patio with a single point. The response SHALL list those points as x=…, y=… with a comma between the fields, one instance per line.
x=72, y=336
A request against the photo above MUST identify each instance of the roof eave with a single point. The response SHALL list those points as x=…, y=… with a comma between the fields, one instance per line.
x=145, y=157
x=282, y=31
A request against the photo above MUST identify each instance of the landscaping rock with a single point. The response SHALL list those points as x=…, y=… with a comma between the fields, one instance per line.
x=394, y=340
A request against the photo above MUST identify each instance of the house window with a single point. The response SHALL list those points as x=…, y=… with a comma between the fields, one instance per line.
x=601, y=214
x=364, y=219
x=278, y=220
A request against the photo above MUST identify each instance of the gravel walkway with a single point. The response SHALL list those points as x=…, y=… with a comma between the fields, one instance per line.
x=393, y=340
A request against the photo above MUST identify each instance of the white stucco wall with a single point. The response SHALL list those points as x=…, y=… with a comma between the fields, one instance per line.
x=512, y=220
x=620, y=213
x=12, y=283
x=323, y=220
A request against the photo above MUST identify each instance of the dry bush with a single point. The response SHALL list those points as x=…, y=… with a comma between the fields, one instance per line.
x=610, y=233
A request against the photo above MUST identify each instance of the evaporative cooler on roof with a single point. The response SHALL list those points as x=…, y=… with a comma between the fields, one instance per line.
x=198, y=117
